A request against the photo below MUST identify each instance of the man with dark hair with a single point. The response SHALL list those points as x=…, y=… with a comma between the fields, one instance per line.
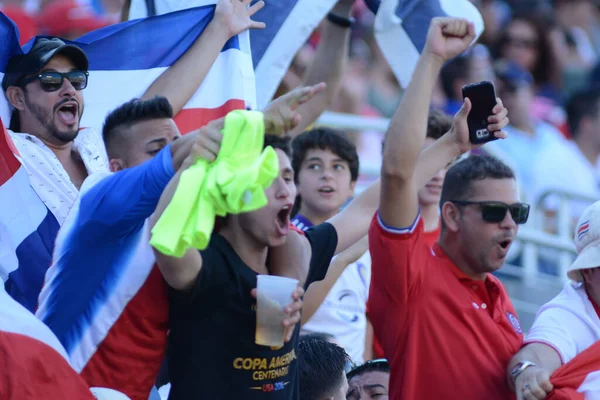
x=103, y=297
x=445, y=322
x=210, y=298
x=369, y=381
x=322, y=376
x=125, y=124
x=45, y=87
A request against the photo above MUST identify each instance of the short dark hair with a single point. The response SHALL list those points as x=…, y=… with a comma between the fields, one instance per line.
x=130, y=113
x=282, y=143
x=582, y=104
x=380, y=365
x=321, y=365
x=458, y=183
x=325, y=139
x=438, y=123
x=317, y=336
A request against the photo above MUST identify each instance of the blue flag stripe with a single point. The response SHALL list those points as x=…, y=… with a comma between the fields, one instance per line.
x=134, y=45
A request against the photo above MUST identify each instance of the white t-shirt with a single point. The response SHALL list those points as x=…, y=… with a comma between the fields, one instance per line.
x=47, y=175
x=343, y=312
x=569, y=323
x=564, y=167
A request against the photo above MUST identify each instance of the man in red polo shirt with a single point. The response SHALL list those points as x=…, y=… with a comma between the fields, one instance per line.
x=446, y=324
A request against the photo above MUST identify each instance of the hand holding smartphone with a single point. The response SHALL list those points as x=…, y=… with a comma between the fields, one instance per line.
x=483, y=101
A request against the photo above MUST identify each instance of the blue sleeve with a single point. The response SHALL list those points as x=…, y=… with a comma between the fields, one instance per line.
x=121, y=202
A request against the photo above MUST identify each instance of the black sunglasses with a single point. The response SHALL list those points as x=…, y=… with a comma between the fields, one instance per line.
x=495, y=211
x=52, y=81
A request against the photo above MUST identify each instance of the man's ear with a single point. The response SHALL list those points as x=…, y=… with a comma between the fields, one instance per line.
x=16, y=97
x=117, y=164
x=451, y=216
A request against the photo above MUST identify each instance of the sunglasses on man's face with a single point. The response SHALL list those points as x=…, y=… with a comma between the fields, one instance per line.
x=52, y=81
x=495, y=211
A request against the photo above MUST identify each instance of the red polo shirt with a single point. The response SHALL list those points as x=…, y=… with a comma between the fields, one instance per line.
x=445, y=335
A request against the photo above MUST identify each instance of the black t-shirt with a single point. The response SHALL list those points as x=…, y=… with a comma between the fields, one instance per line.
x=212, y=354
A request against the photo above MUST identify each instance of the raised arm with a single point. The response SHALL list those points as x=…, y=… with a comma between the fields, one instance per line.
x=318, y=291
x=447, y=38
x=103, y=204
x=280, y=116
x=353, y=222
x=181, y=273
x=182, y=79
x=328, y=65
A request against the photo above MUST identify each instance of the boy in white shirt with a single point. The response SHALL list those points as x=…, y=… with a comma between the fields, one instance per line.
x=326, y=168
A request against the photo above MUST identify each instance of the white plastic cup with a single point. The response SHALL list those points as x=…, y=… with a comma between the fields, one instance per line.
x=274, y=293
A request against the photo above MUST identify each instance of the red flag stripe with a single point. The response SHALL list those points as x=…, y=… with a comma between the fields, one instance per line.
x=9, y=164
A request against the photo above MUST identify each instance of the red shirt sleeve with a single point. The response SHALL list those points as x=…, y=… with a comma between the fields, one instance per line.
x=398, y=260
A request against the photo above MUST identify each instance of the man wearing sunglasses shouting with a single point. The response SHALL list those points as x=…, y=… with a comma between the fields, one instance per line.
x=446, y=325
x=45, y=90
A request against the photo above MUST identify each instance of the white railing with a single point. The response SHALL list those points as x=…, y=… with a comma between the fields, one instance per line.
x=531, y=238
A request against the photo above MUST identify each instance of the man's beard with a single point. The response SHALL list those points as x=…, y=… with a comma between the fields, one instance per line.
x=46, y=118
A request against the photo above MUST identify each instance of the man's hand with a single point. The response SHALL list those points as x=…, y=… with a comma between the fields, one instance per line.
x=460, y=128
x=281, y=116
x=533, y=384
x=236, y=16
x=448, y=37
x=293, y=310
x=207, y=144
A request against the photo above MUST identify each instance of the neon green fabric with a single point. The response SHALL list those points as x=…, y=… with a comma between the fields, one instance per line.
x=234, y=183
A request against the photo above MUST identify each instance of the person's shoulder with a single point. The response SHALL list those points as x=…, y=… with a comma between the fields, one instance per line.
x=571, y=298
x=398, y=234
x=324, y=228
x=93, y=179
x=20, y=137
x=218, y=251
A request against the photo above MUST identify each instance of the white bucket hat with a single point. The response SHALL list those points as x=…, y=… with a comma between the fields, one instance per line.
x=587, y=242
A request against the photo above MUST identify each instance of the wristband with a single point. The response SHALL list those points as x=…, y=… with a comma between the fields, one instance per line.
x=340, y=21
x=520, y=368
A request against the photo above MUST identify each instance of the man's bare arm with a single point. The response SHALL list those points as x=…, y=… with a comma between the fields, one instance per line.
x=181, y=273
x=179, y=83
x=318, y=291
x=328, y=66
x=447, y=38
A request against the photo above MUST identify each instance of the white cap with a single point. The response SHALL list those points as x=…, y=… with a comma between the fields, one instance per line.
x=587, y=242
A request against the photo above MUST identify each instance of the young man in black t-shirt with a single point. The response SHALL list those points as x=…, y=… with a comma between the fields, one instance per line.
x=213, y=318
x=212, y=349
